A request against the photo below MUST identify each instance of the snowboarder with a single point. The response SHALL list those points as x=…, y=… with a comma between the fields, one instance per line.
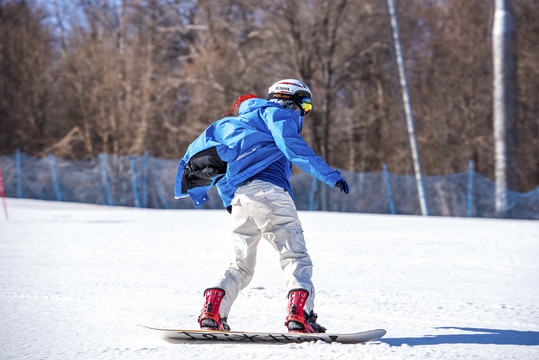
x=249, y=158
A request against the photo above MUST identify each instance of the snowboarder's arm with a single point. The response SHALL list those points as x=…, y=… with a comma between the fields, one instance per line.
x=285, y=131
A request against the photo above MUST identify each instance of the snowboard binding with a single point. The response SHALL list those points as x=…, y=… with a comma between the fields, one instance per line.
x=298, y=320
x=209, y=318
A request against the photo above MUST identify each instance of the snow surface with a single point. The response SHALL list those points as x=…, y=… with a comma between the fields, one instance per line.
x=77, y=279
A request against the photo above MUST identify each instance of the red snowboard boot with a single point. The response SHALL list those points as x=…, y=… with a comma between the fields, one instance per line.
x=209, y=318
x=298, y=320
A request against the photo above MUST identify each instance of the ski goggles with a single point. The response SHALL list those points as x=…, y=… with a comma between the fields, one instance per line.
x=303, y=101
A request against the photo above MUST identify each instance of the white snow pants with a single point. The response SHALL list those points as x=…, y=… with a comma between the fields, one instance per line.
x=263, y=210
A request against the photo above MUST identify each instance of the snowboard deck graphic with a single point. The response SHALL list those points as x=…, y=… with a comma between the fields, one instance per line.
x=179, y=335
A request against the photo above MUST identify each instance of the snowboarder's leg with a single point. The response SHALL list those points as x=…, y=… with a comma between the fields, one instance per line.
x=245, y=238
x=286, y=236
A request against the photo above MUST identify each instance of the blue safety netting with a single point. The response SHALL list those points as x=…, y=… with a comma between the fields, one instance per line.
x=144, y=181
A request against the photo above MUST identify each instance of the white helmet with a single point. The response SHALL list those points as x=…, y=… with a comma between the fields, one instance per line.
x=288, y=92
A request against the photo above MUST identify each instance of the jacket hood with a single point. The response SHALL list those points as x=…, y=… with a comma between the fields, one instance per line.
x=256, y=104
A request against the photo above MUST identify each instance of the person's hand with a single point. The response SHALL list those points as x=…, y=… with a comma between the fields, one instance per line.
x=342, y=184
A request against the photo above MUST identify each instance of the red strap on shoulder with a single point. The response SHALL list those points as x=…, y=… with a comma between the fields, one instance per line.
x=239, y=101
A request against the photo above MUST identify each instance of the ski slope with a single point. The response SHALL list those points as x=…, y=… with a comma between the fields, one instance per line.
x=77, y=279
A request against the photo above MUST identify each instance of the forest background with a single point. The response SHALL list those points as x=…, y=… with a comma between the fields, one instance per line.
x=84, y=77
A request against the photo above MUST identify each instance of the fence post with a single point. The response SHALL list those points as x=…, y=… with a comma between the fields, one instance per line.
x=389, y=192
x=55, y=178
x=19, y=174
x=106, y=179
x=145, y=181
x=470, y=188
x=134, y=177
x=312, y=205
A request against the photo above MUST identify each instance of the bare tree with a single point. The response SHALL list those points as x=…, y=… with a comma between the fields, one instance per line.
x=26, y=58
x=132, y=75
x=527, y=33
x=118, y=75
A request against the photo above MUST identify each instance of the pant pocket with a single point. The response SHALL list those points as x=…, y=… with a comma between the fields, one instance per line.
x=296, y=240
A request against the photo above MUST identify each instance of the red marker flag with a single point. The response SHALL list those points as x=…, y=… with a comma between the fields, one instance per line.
x=3, y=194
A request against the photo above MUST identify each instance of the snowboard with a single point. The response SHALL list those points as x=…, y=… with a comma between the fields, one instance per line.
x=265, y=337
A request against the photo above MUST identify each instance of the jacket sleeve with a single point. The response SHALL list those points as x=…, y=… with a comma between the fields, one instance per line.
x=285, y=130
x=204, y=167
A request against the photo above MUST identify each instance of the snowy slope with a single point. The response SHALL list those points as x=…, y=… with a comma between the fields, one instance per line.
x=76, y=279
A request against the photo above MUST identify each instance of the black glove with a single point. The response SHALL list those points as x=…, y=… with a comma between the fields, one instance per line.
x=343, y=186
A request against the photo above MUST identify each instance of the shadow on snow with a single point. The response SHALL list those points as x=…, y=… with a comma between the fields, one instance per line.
x=476, y=336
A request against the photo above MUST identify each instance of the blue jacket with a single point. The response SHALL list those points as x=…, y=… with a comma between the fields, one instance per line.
x=237, y=148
